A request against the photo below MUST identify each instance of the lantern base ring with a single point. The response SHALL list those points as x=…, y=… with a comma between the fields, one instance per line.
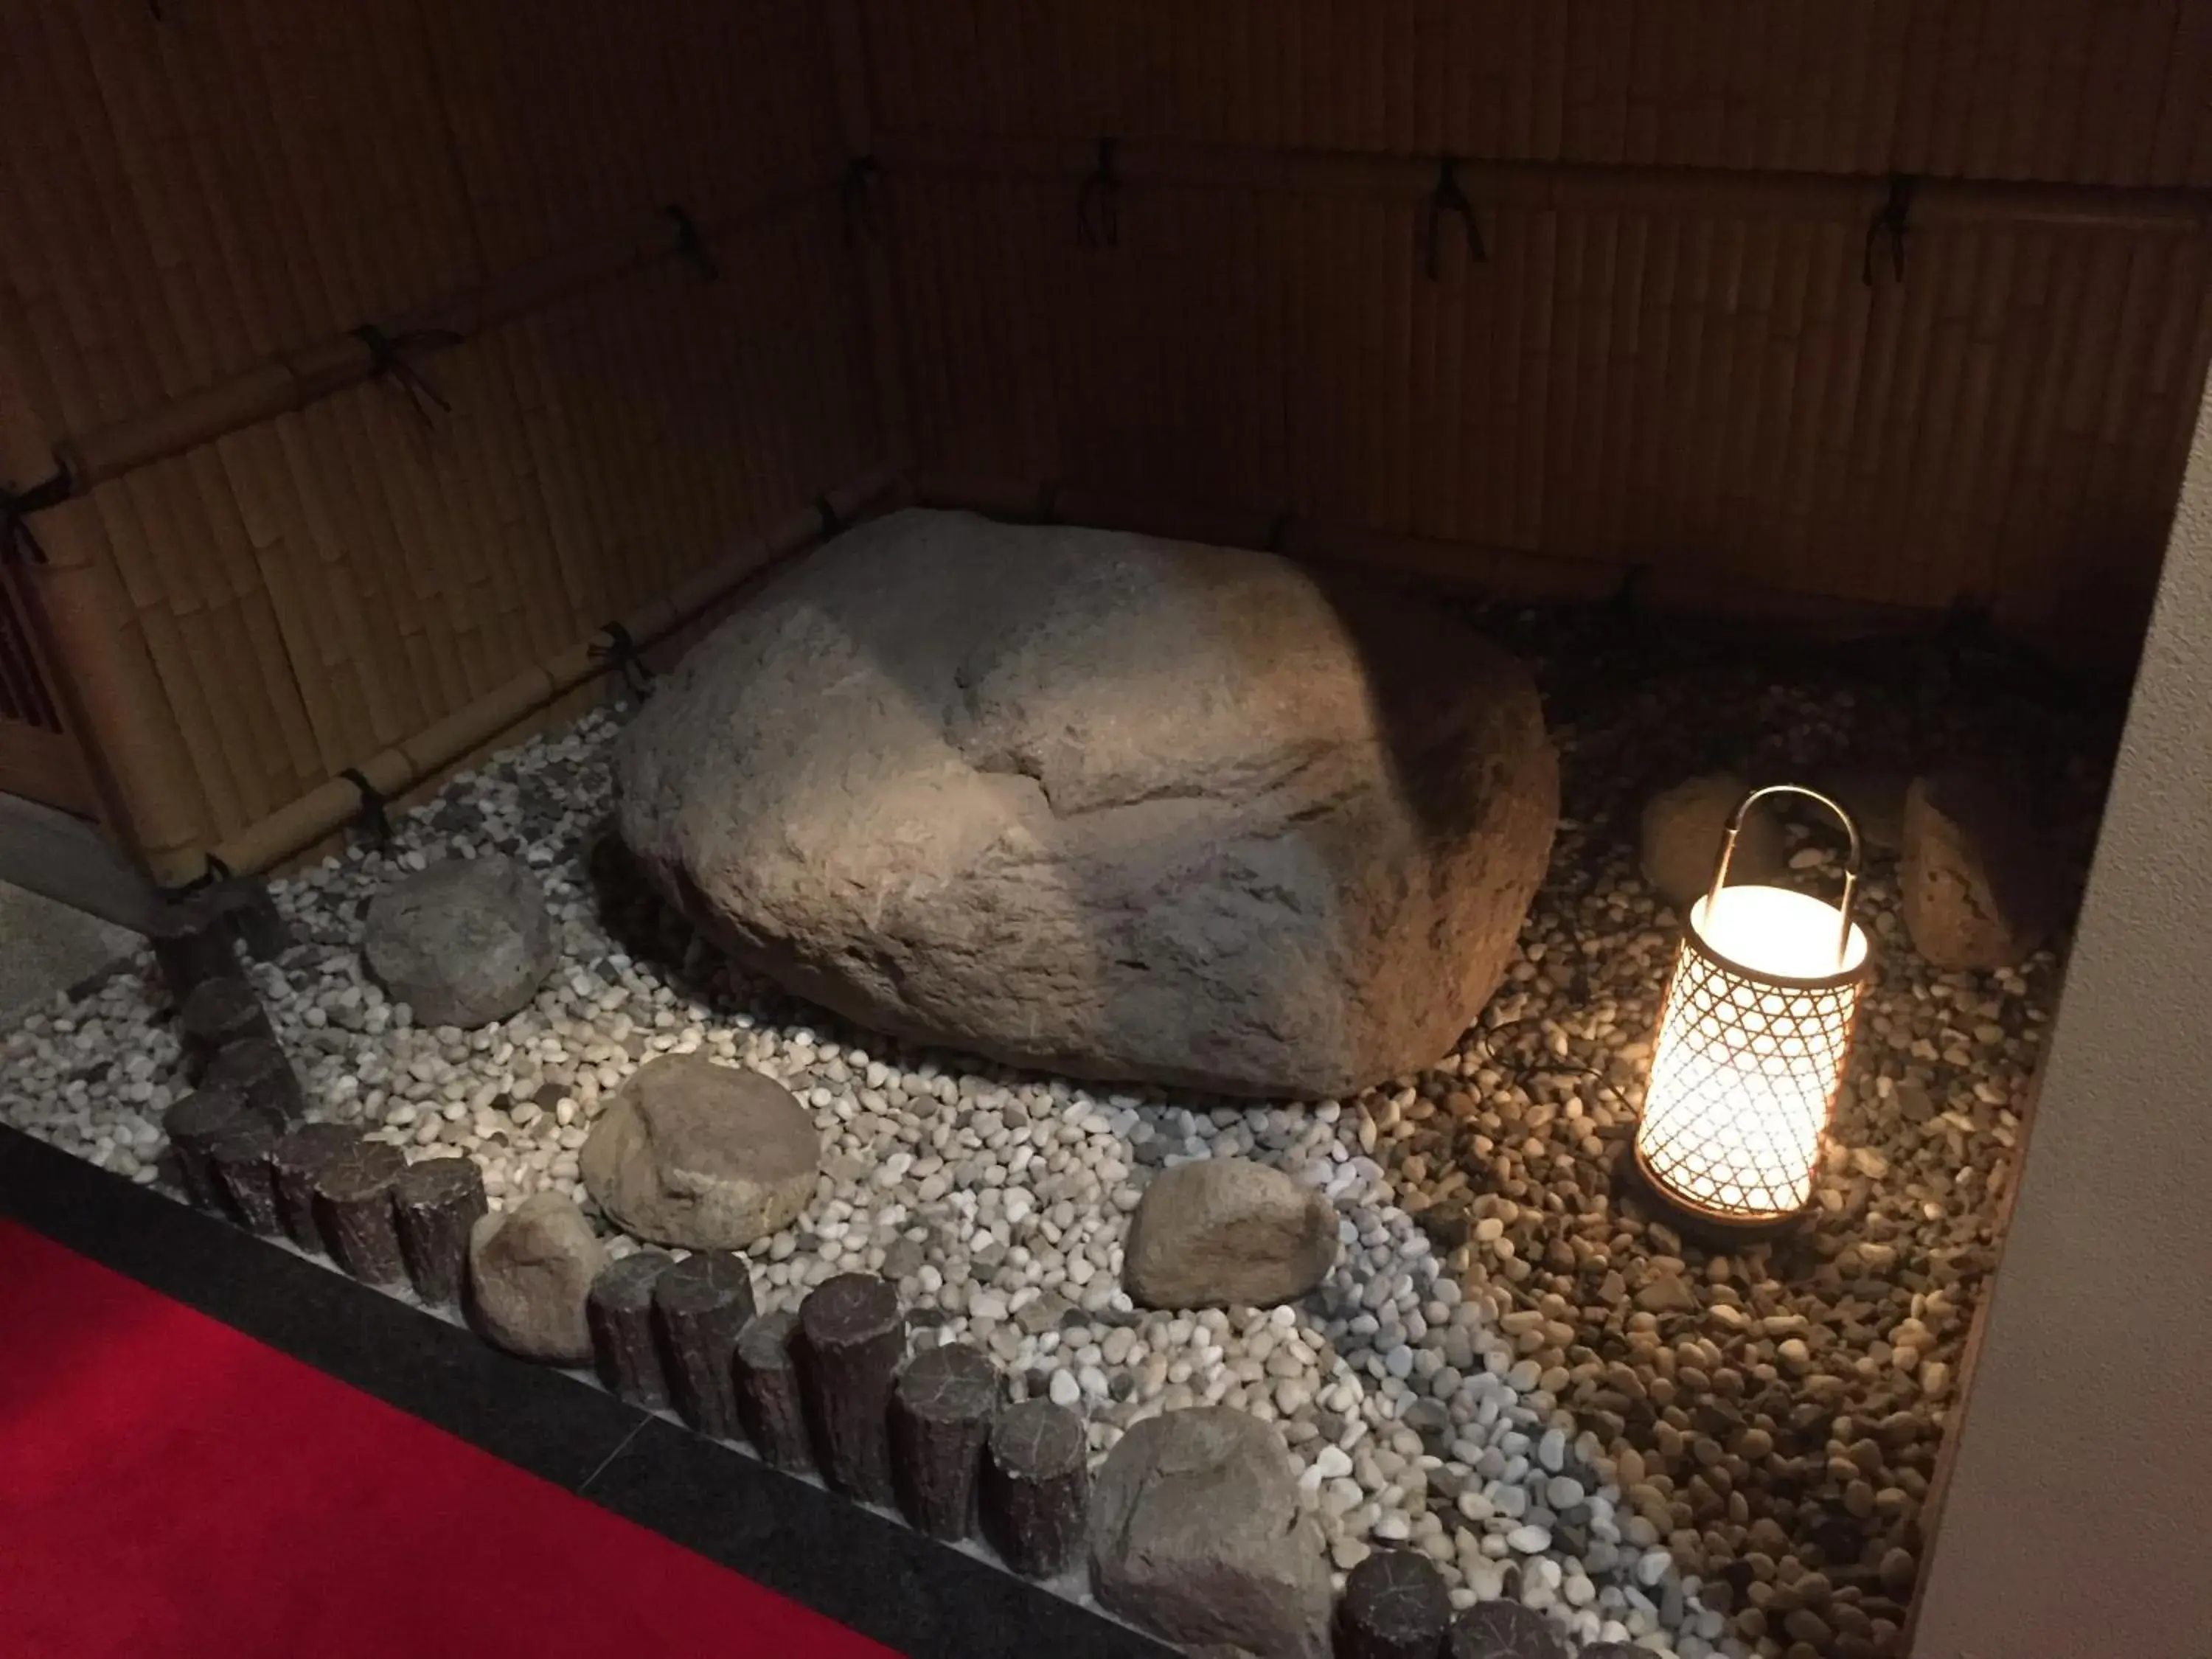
x=1717, y=1227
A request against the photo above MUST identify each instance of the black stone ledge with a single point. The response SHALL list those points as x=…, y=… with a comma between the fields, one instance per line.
x=865, y=1570
x=868, y=1572
x=528, y=1415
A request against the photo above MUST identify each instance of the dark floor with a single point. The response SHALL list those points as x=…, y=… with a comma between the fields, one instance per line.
x=862, y=1569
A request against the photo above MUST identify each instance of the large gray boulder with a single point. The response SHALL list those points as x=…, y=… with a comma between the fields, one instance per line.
x=463, y=943
x=1112, y=806
x=530, y=1269
x=1196, y=1535
x=1225, y=1232
x=701, y=1156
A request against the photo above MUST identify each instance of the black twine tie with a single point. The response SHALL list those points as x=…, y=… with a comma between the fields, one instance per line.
x=372, y=819
x=692, y=244
x=622, y=653
x=18, y=545
x=387, y=360
x=1892, y=218
x=1098, y=203
x=1451, y=197
x=857, y=190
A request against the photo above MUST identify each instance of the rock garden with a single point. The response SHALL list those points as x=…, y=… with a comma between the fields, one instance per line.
x=1126, y=1052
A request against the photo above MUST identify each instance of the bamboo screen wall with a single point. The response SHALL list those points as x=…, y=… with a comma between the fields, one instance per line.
x=1671, y=357
x=1887, y=302
x=202, y=201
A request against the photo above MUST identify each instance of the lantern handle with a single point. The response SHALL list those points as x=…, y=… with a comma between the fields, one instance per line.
x=1851, y=863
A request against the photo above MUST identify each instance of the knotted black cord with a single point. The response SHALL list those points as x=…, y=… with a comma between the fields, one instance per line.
x=691, y=245
x=1629, y=596
x=857, y=192
x=372, y=817
x=1098, y=203
x=1892, y=216
x=1450, y=196
x=387, y=360
x=1048, y=510
x=213, y=870
x=1279, y=528
x=621, y=651
x=18, y=544
x=833, y=522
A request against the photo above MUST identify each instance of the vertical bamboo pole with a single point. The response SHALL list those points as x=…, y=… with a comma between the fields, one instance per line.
x=1649, y=496
x=1820, y=273
x=1621, y=398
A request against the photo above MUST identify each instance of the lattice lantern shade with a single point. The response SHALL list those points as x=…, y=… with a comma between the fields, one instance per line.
x=1753, y=1041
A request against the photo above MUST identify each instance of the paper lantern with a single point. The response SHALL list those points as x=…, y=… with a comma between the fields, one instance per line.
x=1752, y=1041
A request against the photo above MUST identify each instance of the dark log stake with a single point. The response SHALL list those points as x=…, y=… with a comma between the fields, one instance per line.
x=702, y=1302
x=191, y=940
x=193, y=1125
x=219, y=1012
x=768, y=1400
x=1504, y=1629
x=625, y=1346
x=1036, y=1488
x=1394, y=1606
x=294, y=1162
x=240, y=1158
x=942, y=1408
x=433, y=1205
x=257, y=1069
x=353, y=1212
x=255, y=921
x=852, y=1336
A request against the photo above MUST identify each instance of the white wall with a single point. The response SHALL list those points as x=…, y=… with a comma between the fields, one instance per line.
x=2079, y=1520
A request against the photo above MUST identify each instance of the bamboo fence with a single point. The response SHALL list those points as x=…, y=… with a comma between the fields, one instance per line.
x=1671, y=359
x=636, y=290
x=2102, y=92
x=290, y=552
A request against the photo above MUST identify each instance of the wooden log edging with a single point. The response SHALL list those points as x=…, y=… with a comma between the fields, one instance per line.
x=702, y=1304
x=626, y=1348
x=1394, y=1606
x=434, y=1202
x=830, y=1384
x=192, y=940
x=258, y=1069
x=770, y=1405
x=194, y=1126
x=943, y=1405
x=197, y=935
x=239, y=1160
x=852, y=1335
x=295, y=1164
x=218, y=1012
x=1036, y=1488
x=354, y=1211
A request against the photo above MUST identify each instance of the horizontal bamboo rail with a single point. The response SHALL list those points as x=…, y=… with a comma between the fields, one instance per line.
x=289, y=381
x=400, y=768
x=1489, y=573
x=1538, y=185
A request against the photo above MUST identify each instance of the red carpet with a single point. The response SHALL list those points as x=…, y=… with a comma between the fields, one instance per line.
x=169, y=1488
